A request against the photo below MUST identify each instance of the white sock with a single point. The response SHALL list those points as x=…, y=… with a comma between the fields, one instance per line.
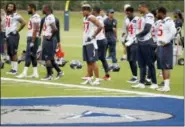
x=97, y=79
x=14, y=65
x=167, y=83
x=35, y=71
x=124, y=56
x=148, y=80
x=25, y=70
x=135, y=77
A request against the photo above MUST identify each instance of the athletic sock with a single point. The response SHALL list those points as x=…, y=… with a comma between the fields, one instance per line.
x=15, y=65
x=25, y=70
x=35, y=71
x=167, y=83
x=135, y=77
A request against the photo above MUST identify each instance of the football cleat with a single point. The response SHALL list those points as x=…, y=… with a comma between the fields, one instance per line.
x=164, y=89
x=12, y=72
x=132, y=80
x=59, y=75
x=22, y=75
x=140, y=85
x=154, y=86
x=48, y=77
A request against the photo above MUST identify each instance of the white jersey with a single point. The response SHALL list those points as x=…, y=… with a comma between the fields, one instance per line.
x=146, y=19
x=132, y=28
x=125, y=22
x=89, y=29
x=101, y=35
x=155, y=30
x=166, y=31
x=47, y=30
x=3, y=21
x=104, y=17
x=33, y=19
x=12, y=23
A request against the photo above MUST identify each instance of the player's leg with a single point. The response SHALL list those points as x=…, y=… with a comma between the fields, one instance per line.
x=88, y=78
x=113, y=51
x=102, y=44
x=124, y=56
x=166, y=65
x=142, y=66
x=13, y=42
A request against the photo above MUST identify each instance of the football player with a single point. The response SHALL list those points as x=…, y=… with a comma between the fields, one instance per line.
x=12, y=34
x=165, y=35
x=49, y=43
x=146, y=54
x=92, y=27
x=32, y=42
x=131, y=42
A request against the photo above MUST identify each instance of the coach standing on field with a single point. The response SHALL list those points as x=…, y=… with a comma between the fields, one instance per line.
x=146, y=54
x=110, y=25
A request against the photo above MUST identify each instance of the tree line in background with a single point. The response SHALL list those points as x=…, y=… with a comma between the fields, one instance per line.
x=75, y=5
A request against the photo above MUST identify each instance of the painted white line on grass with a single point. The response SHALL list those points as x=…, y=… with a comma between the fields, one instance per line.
x=92, y=88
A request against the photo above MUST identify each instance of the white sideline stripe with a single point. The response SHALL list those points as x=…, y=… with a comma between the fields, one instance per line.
x=93, y=88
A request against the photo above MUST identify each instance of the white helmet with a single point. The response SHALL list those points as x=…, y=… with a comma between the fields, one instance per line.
x=126, y=6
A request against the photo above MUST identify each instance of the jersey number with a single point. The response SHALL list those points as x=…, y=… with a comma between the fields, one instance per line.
x=86, y=26
x=130, y=29
x=7, y=22
x=160, y=31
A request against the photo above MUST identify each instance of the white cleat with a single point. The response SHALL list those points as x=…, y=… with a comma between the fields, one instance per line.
x=33, y=76
x=141, y=86
x=88, y=81
x=22, y=75
x=96, y=83
x=154, y=86
x=164, y=89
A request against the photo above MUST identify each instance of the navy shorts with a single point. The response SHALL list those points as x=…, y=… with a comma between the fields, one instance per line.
x=146, y=53
x=12, y=44
x=132, y=52
x=33, y=50
x=2, y=41
x=165, y=56
x=48, y=49
x=102, y=47
x=90, y=54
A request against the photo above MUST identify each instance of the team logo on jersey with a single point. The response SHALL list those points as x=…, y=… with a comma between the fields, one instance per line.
x=67, y=114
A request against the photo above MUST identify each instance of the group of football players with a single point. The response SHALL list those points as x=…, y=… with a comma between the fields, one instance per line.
x=146, y=39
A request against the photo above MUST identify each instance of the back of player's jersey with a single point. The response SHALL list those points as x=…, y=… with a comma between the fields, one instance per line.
x=12, y=23
x=47, y=30
x=155, y=30
x=89, y=29
x=146, y=19
x=35, y=19
x=132, y=28
x=166, y=31
x=101, y=35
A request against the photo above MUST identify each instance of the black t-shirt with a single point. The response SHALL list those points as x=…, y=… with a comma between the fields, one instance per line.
x=109, y=25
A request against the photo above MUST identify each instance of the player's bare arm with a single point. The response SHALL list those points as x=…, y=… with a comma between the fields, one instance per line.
x=98, y=24
x=35, y=30
x=115, y=32
x=23, y=23
x=54, y=30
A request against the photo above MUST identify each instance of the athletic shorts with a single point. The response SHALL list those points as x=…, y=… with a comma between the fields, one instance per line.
x=48, y=49
x=132, y=52
x=32, y=51
x=90, y=54
x=12, y=43
x=165, y=56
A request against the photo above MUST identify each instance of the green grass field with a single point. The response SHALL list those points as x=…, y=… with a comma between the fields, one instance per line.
x=72, y=45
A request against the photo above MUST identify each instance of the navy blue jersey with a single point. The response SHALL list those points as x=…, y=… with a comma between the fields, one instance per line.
x=109, y=25
x=178, y=23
